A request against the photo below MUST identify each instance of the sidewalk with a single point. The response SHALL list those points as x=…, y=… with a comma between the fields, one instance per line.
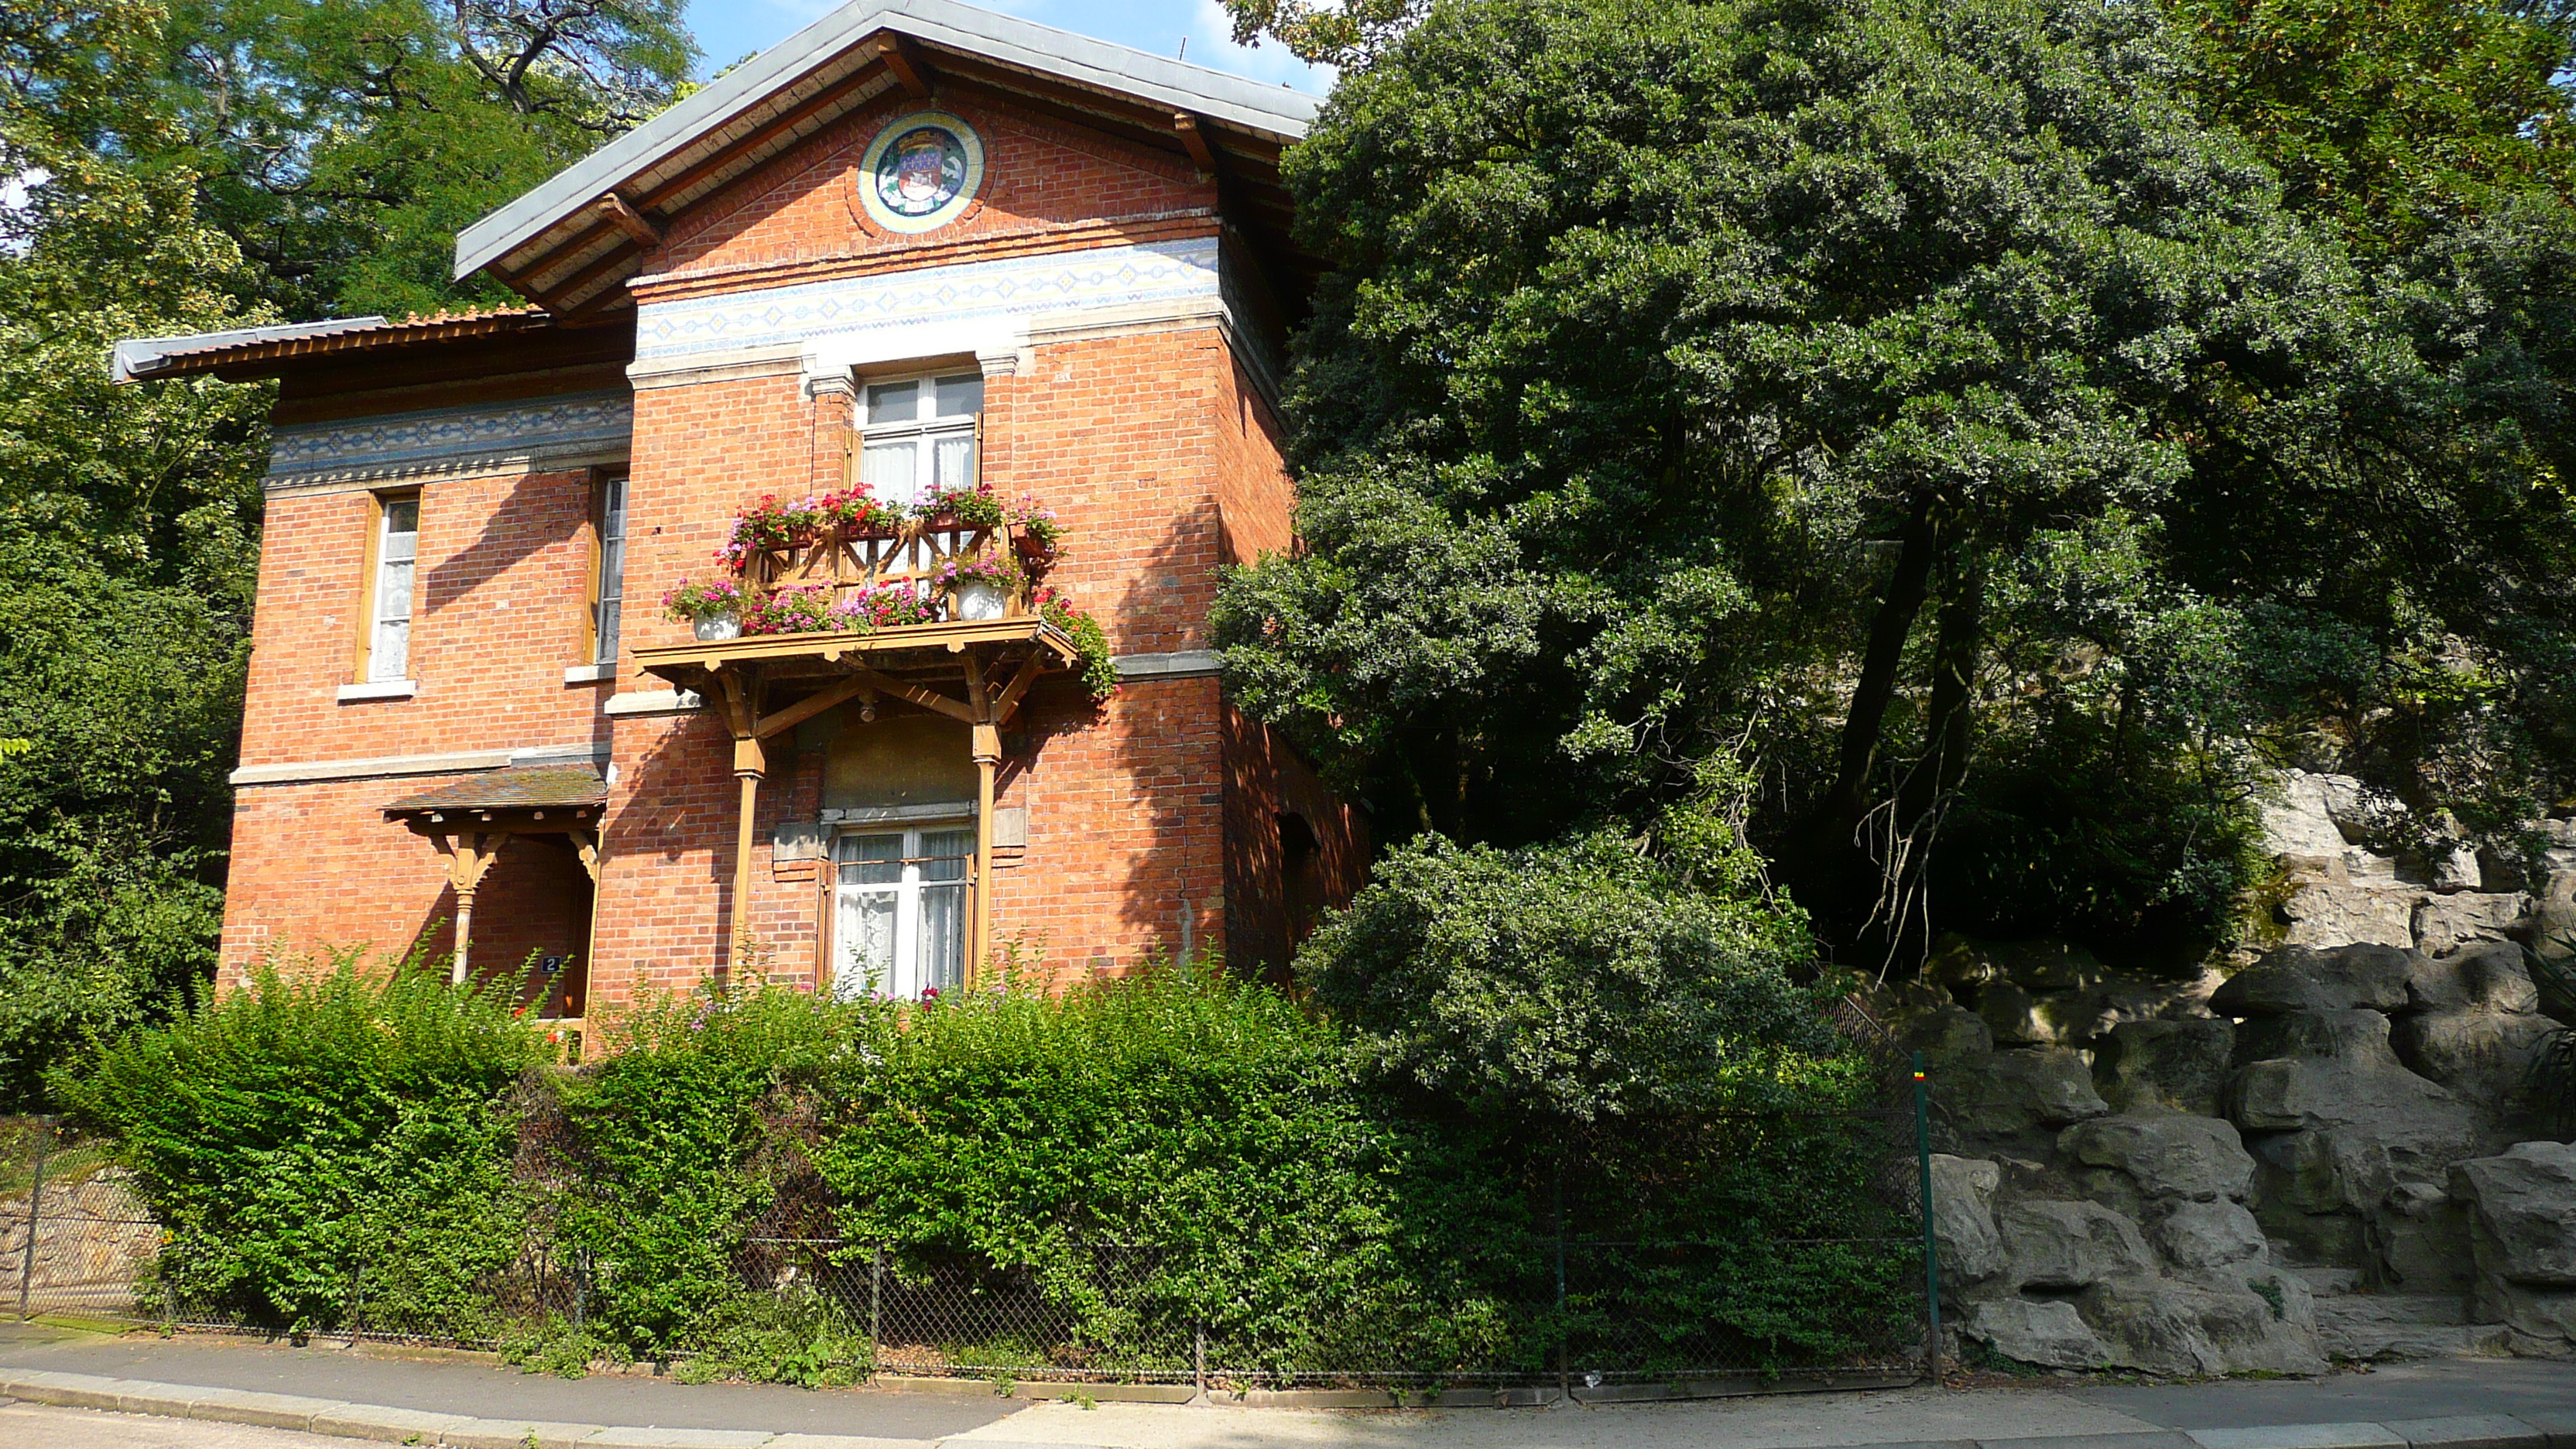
x=2444, y=1404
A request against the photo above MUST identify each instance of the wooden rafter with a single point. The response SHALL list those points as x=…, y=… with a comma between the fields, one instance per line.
x=915, y=694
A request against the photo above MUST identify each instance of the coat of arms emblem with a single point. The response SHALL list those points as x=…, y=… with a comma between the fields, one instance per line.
x=922, y=171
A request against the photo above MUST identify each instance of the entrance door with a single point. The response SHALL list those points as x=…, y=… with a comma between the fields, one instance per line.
x=900, y=927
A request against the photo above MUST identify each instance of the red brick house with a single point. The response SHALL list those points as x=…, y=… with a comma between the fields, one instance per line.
x=931, y=268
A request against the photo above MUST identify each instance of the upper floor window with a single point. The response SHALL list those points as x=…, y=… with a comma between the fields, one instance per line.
x=919, y=434
x=389, y=595
x=608, y=583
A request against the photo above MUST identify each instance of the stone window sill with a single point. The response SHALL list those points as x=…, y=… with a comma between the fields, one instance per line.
x=590, y=674
x=379, y=689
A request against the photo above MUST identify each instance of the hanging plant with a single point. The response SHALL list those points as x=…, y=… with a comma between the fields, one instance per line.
x=1099, y=670
x=1040, y=538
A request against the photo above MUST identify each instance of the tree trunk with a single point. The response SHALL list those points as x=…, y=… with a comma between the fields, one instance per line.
x=1828, y=870
x=1865, y=723
x=1950, y=730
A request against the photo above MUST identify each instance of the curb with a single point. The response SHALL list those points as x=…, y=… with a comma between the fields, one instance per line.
x=382, y=1424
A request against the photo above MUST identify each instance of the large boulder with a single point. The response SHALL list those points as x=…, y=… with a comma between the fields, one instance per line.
x=2337, y=908
x=2301, y=979
x=1963, y=1221
x=2215, y=1327
x=2300, y=825
x=2487, y=977
x=2522, y=1213
x=1948, y=1035
x=2177, y=1065
x=2060, y=1245
x=2482, y=1056
x=2014, y=1093
x=2051, y=1334
x=2445, y=924
x=2165, y=1155
x=2198, y=1236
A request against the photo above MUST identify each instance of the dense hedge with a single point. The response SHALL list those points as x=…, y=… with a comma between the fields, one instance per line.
x=1232, y=1160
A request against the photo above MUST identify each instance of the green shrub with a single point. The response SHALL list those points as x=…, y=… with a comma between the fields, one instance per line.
x=797, y=1336
x=1172, y=1148
x=674, y=1142
x=321, y=1138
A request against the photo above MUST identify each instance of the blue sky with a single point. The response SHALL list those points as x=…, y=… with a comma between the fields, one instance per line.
x=728, y=30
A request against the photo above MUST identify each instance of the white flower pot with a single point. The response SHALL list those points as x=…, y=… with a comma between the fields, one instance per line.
x=722, y=626
x=981, y=599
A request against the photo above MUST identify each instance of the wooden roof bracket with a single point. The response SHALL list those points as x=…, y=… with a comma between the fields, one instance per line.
x=622, y=215
x=1194, y=140
x=903, y=59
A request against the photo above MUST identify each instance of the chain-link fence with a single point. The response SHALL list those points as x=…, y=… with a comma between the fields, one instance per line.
x=1597, y=1297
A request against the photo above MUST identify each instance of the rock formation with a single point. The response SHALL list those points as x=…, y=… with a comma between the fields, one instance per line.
x=2325, y=1153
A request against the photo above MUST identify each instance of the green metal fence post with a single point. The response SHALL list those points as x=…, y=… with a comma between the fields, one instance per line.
x=1931, y=1246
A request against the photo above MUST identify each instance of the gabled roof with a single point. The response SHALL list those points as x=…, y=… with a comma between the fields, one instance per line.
x=571, y=243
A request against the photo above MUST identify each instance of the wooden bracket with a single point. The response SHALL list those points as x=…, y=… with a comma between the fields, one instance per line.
x=1194, y=140
x=805, y=709
x=1019, y=685
x=468, y=857
x=622, y=215
x=742, y=704
x=905, y=63
x=586, y=845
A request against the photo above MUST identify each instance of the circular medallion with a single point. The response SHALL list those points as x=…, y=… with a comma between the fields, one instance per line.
x=921, y=172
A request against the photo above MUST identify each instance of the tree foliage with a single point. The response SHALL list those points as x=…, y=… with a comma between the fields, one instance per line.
x=1928, y=406
x=342, y=146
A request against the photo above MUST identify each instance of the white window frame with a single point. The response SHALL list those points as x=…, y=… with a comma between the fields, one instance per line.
x=925, y=429
x=608, y=586
x=383, y=666
x=906, y=978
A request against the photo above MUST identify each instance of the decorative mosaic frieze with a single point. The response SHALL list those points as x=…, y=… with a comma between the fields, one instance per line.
x=537, y=433
x=968, y=292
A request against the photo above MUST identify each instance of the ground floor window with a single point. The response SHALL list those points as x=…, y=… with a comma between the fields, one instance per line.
x=900, y=922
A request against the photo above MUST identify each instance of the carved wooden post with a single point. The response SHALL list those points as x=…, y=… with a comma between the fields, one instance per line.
x=987, y=746
x=750, y=764
x=468, y=857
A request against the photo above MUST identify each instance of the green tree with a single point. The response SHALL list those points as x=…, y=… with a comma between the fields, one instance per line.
x=1859, y=388
x=343, y=145
x=128, y=522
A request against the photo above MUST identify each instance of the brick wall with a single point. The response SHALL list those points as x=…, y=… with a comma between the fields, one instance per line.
x=501, y=606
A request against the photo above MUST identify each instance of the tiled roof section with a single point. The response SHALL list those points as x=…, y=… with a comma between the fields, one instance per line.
x=538, y=787
x=139, y=358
